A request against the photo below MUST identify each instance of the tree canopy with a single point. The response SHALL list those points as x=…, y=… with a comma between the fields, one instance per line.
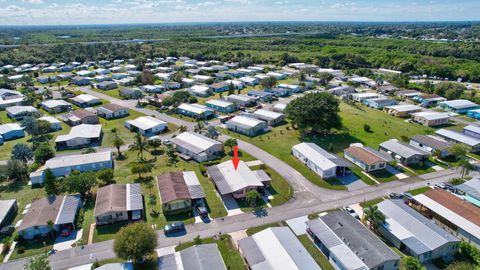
x=80, y=182
x=317, y=112
x=135, y=241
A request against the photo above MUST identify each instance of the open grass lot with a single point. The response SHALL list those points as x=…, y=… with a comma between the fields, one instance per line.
x=419, y=190
x=229, y=253
x=383, y=127
x=366, y=204
x=383, y=176
x=254, y=230
x=317, y=255
x=113, y=92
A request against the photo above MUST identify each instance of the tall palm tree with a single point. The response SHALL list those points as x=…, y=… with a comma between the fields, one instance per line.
x=139, y=145
x=465, y=166
x=182, y=129
x=117, y=141
x=373, y=216
x=50, y=226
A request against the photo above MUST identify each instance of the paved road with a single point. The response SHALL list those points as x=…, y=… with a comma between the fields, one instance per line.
x=308, y=199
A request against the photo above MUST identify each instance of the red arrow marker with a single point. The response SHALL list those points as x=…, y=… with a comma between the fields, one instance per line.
x=235, y=159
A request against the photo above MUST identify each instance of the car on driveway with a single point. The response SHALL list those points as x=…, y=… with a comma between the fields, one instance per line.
x=394, y=195
x=201, y=209
x=174, y=228
x=351, y=211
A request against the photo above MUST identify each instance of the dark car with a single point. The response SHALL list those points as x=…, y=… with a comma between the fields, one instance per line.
x=174, y=227
x=7, y=231
x=201, y=209
x=394, y=195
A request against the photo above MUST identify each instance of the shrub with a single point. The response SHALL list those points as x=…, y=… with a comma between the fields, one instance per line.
x=367, y=128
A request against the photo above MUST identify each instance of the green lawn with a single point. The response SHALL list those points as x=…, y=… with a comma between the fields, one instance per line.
x=358, y=172
x=366, y=204
x=254, y=230
x=31, y=248
x=317, y=255
x=419, y=190
x=113, y=92
x=383, y=176
x=229, y=253
x=421, y=169
x=383, y=127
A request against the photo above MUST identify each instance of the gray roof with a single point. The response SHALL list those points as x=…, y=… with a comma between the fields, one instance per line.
x=68, y=210
x=402, y=149
x=202, y=257
x=5, y=207
x=340, y=230
x=471, y=187
x=472, y=128
x=167, y=262
x=195, y=142
x=432, y=142
x=416, y=231
x=276, y=248
x=459, y=104
x=458, y=137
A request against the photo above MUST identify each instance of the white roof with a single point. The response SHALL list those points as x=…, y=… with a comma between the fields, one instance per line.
x=195, y=108
x=248, y=79
x=449, y=215
x=472, y=128
x=404, y=107
x=457, y=136
x=6, y=96
x=202, y=77
x=431, y=115
x=199, y=88
x=79, y=159
x=197, y=140
x=322, y=160
x=81, y=131
x=85, y=98
x=267, y=114
x=276, y=74
x=9, y=127
x=365, y=95
x=146, y=122
x=238, y=179
x=280, y=106
x=20, y=109
x=49, y=119
x=84, y=72
x=52, y=103
x=459, y=103
x=240, y=97
x=245, y=121
x=220, y=103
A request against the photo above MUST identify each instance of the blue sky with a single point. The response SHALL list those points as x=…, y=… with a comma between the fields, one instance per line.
x=36, y=12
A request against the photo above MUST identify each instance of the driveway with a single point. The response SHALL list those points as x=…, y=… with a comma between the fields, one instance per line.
x=231, y=205
x=352, y=182
x=64, y=243
x=396, y=172
x=298, y=225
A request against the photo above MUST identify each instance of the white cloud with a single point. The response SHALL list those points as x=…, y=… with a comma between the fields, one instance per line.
x=33, y=1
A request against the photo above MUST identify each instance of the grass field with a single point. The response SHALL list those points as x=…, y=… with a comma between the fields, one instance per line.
x=317, y=255
x=230, y=255
x=254, y=230
x=366, y=204
x=113, y=92
x=419, y=190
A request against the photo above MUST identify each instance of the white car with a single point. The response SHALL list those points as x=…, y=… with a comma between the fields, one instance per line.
x=351, y=211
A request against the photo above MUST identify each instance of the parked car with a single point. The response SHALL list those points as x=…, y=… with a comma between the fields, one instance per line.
x=174, y=227
x=7, y=231
x=166, y=142
x=351, y=211
x=201, y=209
x=407, y=196
x=394, y=195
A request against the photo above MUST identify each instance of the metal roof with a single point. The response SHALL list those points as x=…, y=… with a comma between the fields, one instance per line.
x=431, y=115
x=68, y=209
x=146, y=122
x=118, y=198
x=244, y=121
x=81, y=131
x=416, y=231
x=432, y=142
x=193, y=185
x=197, y=143
x=20, y=109
x=459, y=104
x=9, y=127
x=77, y=160
x=276, y=248
x=458, y=137
x=266, y=114
x=362, y=242
x=5, y=206
x=229, y=180
x=220, y=103
x=402, y=149
x=404, y=108
x=471, y=187
x=202, y=257
x=195, y=108
x=52, y=103
x=472, y=128
x=321, y=158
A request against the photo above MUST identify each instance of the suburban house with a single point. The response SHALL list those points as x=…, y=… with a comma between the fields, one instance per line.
x=196, y=111
x=107, y=85
x=47, y=79
x=85, y=73
x=119, y=203
x=261, y=95
x=380, y=103
x=56, y=105
x=460, y=106
x=153, y=88
x=429, y=100
x=64, y=165
x=10, y=98
x=200, y=90
x=204, y=256
x=197, y=146
x=157, y=99
x=278, y=92
x=129, y=93
x=242, y=100
x=452, y=136
x=126, y=81
x=279, y=107
x=250, y=81
x=61, y=210
x=80, y=136
x=452, y=213
x=431, y=144
x=219, y=87
x=146, y=125
x=471, y=190
x=55, y=124
x=272, y=118
x=178, y=190
x=11, y=131
x=172, y=85
x=360, y=97
x=348, y=244
x=202, y=78
x=431, y=119
x=19, y=112
x=277, y=75
x=112, y=111
x=246, y=125
x=221, y=105
x=472, y=131
x=236, y=182
x=119, y=76
x=85, y=100
x=404, y=153
x=8, y=211
x=402, y=110
x=366, y=158
x=323, y=163
x=276, y=248
x=420, y=237
x=236, y=84
x=81, y=116
x=80, y=81
x=293, y=88
x=342, y=90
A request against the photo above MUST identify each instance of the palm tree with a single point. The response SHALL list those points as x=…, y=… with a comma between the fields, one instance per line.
x=182, y=129
x=117, y=141
x=50, y=226
x=373, y=217
x=465, y=166
x=252, y=197
x=139, y=145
